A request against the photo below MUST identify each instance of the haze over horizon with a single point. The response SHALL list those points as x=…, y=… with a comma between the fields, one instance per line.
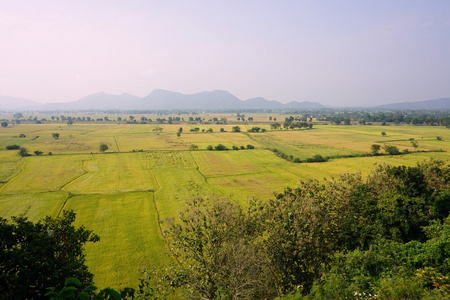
x=337, y=53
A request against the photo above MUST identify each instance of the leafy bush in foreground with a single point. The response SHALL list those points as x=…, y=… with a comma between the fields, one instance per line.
x=327, y=240
x=35, y=256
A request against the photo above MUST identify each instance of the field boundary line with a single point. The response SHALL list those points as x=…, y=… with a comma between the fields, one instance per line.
x=69, y=195
x=14, y=178
x=240, y=174
x=70, y=181
x=117, y=144
x=265, y=165
x=203, y=175
x=82, y=174
x=154, y=203
x=157, y=215
x=198, y=168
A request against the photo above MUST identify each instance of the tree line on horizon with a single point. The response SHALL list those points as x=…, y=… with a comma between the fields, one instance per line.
x=332, y=116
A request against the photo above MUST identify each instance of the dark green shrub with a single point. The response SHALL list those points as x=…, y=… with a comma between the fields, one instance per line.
x=13, y=147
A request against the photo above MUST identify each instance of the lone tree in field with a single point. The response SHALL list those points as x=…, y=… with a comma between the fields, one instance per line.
x=392, y=150
x=103, y=147
x=375, y=148
x=383, y=133
x=38, y=153
x=18, y=115
x=55, y=135
x=4, y=124
x=414, y=144
x=236, y=129
x=23, y=152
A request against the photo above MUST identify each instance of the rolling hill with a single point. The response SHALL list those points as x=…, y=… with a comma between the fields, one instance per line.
x=168, y=100
x=14, y=103
x=160, y=99
x=435, y=104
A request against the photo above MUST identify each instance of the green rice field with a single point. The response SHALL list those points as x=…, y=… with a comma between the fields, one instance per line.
x=147, y=175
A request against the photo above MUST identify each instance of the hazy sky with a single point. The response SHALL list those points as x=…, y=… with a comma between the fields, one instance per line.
x=333, y=52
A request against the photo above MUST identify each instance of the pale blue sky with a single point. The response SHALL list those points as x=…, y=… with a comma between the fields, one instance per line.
x=337, y=53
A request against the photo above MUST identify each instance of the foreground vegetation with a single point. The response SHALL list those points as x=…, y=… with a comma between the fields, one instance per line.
x=385, y=236
x=148, y=171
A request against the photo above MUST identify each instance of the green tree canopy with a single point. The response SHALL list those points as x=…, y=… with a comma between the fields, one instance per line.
x=294, y=240
x=219, y=257
x=35, y=256
x=103, y=147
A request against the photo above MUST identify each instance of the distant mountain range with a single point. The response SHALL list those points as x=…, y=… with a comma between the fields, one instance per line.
x=14, y=103
x=167, y=100
x=436, y=104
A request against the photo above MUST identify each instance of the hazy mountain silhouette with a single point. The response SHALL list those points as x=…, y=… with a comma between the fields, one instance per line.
x=260, y=102
x=14, y=103
x=97, y=101
x=435, y=104
x=214, y=100
x=168, y=100
x=211, y=100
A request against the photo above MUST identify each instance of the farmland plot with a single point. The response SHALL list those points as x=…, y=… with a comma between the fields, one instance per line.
x=219, y=163
x=45, y=173
x=10, y=165
x=179, y=180
x=151, y=142
x=294, y=143
x=34, y=206
x=113, y=173
x=130, y=241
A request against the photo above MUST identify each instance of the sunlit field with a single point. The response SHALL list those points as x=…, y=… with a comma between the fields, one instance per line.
x=148, y=172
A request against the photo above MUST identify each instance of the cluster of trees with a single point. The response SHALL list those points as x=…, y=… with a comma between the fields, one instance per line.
x=222, y=147
x=24, y=151
x=298, y=125
x=249, y=119
x=397, y=117
x=12, y=147
x=291, y=158
x=196, y=129
x=292, y=122
x=256, y=129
